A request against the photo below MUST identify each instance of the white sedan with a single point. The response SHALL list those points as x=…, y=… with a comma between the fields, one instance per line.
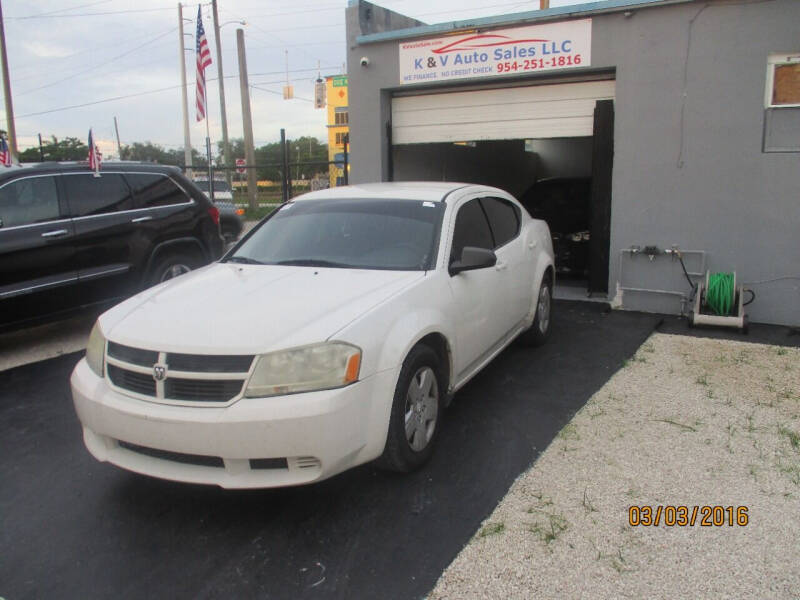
x=335, y=333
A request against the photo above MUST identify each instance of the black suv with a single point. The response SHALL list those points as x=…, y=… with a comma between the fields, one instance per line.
x=70, y=239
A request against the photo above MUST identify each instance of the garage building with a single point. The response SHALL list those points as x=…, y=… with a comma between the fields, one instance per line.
x=633, y=126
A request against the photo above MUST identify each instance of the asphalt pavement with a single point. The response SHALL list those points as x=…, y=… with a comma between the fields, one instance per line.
x=71, y=527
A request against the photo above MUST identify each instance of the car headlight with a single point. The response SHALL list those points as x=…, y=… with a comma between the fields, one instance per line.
x=317, y=367
x=95, y=350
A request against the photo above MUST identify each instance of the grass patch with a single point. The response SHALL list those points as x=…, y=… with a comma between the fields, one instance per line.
x=792, y=436
x=569, y=432
x=553, y=526
x=587, y=503
x=492, y=529
x=702, y=379
x=679, y=425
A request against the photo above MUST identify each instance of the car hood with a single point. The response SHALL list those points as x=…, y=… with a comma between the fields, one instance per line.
x=230, y=308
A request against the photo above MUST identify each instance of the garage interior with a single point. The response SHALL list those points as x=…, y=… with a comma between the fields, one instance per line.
x=551, y=146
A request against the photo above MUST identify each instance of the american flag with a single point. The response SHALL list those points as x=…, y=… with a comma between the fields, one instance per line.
x=5, y=153
x=203, y=60
x=95, y=158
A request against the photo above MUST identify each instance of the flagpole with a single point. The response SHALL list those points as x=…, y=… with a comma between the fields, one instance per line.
x=208, y=146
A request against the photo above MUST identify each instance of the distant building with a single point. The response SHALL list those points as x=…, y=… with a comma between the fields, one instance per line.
x=338, y=125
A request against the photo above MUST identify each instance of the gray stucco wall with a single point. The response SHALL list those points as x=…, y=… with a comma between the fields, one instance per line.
x=689, y=168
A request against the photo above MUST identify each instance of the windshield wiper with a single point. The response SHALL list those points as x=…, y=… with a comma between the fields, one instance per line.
x=312, y=262
x=244, y=260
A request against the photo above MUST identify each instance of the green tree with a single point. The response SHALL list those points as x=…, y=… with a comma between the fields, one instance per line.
x=269, y=157
x=149, y=152
x=69, y=148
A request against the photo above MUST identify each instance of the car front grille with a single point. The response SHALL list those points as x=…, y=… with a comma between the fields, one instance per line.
x=202, y=390
x=175, y=377
x=179, y=457
x=132, y=381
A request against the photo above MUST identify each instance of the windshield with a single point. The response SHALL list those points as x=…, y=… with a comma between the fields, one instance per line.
x=356, y=234
x=219, y=186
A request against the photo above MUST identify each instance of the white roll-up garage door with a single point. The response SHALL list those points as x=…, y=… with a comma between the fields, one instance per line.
x=541, y=111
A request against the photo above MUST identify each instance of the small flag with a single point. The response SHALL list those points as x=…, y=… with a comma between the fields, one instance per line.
x=203, y=60
x=95, y=158
x=5, y=153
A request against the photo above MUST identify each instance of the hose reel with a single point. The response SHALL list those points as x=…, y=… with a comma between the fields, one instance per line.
x=719, y=301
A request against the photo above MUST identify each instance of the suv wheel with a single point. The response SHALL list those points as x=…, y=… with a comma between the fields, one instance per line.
x=416, y=412
x=171, y=266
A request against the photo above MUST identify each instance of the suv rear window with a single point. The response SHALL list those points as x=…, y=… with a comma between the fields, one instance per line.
x=152, y=189
x=27, y=201
x=90, y=195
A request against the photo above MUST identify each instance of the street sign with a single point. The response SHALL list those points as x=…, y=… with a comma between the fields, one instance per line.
x=240, y=166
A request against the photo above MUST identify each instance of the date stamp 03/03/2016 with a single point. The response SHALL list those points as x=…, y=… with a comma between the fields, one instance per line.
x=688, y=516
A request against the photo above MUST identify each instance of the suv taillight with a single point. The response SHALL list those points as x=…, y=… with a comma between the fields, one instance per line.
x=214, y=212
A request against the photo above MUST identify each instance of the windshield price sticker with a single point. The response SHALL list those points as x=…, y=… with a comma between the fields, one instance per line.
x=499, y=52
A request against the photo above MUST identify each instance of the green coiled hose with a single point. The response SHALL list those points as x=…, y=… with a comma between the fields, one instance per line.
x=720, y=293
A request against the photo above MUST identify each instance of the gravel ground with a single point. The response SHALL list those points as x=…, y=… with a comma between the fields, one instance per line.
x=687, y=422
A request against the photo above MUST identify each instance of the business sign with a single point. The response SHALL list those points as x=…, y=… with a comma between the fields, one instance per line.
x=340, y=81
x=240, y=166
x=516, y=51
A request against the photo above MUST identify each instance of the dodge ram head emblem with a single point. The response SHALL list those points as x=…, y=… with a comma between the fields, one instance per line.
x=159, y=372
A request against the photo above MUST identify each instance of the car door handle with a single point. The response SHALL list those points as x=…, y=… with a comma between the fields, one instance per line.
x=141, y=219
x=54, y=233
x=501, y=266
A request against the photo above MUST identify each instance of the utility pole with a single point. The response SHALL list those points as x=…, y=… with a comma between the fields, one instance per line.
x=187, y=143
x=11, y=130
x=247, y=124
x=226, y=149
x=41, y=148
x=119, y=146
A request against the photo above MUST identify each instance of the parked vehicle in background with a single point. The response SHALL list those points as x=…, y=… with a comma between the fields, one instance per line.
x=230, y=217
x=69, y=239
x=564, y=203
x=359, y=312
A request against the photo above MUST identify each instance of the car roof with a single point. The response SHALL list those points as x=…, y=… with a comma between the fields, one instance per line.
x=434, y=191
x=79, y=167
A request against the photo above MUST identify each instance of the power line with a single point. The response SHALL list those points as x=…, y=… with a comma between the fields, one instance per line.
x=138, y=94
x=52, y=12
x=109, y=61
x=93, y=14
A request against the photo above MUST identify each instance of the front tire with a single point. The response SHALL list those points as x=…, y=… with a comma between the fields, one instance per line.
x=416, y=412
x=540, y=330
x=171, y=266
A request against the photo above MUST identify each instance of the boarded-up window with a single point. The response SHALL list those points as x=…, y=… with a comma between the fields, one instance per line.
x=786, y=85
x=783, y=81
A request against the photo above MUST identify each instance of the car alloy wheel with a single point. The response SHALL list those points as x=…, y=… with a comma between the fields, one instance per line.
x=421, y=408
x=174, y=271
x=543, y=308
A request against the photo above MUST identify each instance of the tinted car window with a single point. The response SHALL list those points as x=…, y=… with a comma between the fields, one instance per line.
x=503, y=219
x=219, y=186
x=471, y=229
x=90, y=195
x=27, y=201
x=155, y=190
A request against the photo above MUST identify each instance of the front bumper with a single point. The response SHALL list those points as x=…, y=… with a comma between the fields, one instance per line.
x=305, y=437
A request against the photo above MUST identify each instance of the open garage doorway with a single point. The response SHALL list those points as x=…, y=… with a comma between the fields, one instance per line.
x=551, y=146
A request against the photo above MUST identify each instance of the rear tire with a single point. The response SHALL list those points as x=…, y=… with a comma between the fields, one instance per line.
x=416, y=412
x=540, y=330
x=170, y=266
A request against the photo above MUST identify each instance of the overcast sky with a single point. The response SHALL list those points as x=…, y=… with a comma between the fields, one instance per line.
x=64, y=53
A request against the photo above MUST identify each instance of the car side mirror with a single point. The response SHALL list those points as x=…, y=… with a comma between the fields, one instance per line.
x=473, y=258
